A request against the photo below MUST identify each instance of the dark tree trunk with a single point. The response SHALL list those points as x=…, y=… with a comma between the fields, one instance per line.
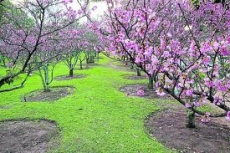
x=87, y=60
x=150, y=85
x=132, y=66
x=90, y=59
x=123, y=58
x=87, y=64
x=138, y=72
x=190, y=119
x=81, y=67
x=71, y=72
x=47, y=88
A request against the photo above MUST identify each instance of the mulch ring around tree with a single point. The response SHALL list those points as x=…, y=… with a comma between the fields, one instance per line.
x=134, y=77
x=65, y=77
x=132, y=90
x=169, y=128
x=27, y=136
x=54, y=94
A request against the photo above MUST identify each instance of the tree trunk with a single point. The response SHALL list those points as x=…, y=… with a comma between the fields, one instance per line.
x=81, y=65
x=190, y=119
x=87, y=60
x=87, y=64
x=92, y=59
x=46, y=78
x=150, y=85
x=138, y=72
x=46, y=88
x=132, y=66
x=71, y=72
x=98, y=57
x=123, y=58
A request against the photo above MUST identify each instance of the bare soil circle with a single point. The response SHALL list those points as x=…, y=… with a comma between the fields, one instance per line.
x=169, y=128
x=131, y=90
x=27, y=136
x=64, y=77
x=54, y=94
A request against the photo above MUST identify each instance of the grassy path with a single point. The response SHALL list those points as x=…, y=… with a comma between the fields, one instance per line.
x=96, y=118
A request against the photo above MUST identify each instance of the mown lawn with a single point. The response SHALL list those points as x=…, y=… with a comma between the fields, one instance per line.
x=96, y=118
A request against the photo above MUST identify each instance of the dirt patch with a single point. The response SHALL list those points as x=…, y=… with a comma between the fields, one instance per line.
x=76, y=76
x=132, y=90
x=26, y=136
x=134, y=77
x=53, y=95
x=169, y=128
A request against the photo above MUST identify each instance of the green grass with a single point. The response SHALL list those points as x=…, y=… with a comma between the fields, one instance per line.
x=97, y=118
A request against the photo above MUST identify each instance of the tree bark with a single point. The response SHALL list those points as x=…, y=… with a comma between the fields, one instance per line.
x=150, y=85
x=47, y=88
x=71, y=72
x=81, y=65
x=132, y=66
x=190, y=119
x=138, y=72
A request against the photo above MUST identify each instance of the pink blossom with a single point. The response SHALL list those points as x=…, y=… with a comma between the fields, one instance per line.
x=219, y=85
x=140, y=92
x=208, y=83
x=217, y=100
x=206, y=118
x=160, y=92
x=67, y=1
x=166, y=54
x=94, y=8
x=188, y=105
x=206, y=60
x=224, y=51
x=228, y=115
x=189, y=92
x=197, y=104
x=162, y=44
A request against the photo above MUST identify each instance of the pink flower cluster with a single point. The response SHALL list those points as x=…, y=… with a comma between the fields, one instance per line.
x=140, y=92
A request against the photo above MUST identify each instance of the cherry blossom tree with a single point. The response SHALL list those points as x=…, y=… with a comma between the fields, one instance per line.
x=182, y=49
x=74, y=46
x=30, y=25
x=47, y=58
x=93, y=42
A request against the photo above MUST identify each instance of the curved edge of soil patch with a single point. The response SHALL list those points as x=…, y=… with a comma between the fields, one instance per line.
x=28, y=135
x=56, y=93
x=168, y=126
x=133, y=77
x=65, y=77
x=132, y=90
